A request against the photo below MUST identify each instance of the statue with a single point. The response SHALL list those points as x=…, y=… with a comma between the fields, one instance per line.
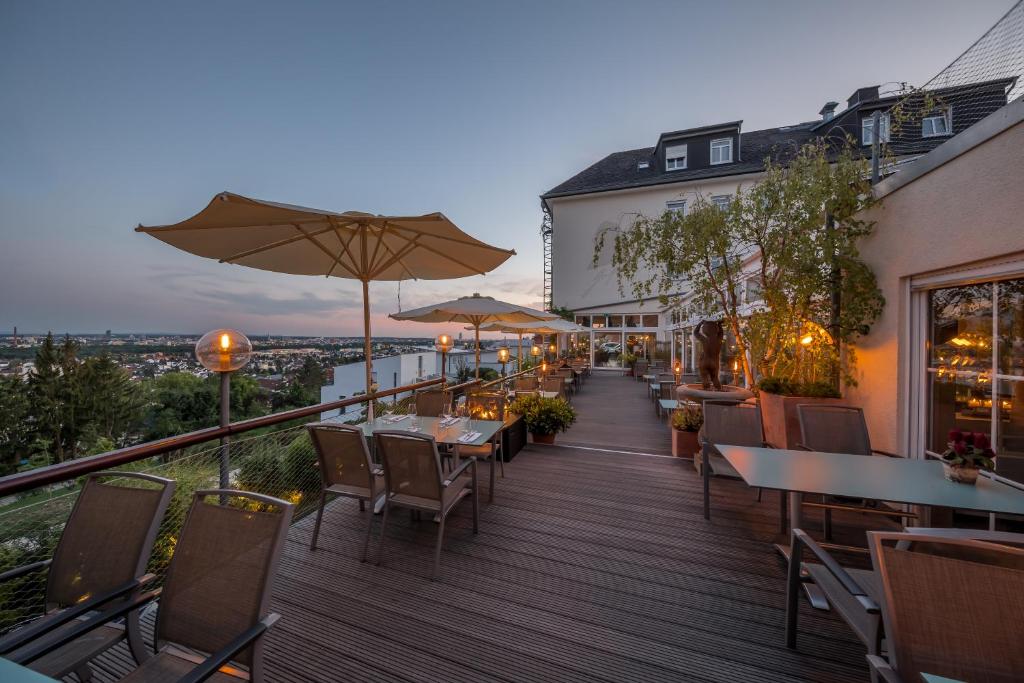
x=710, y=334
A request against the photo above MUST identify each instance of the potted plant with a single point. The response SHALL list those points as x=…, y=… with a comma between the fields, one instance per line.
x=544, y=417
x=966, y=453
x=628, y=360
x=779, y=397
x=686, y=422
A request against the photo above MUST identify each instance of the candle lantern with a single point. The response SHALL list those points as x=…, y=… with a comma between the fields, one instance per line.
x=224, y=351
x=444, y=344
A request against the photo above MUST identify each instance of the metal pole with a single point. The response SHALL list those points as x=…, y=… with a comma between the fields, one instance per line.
x=225, y=420
x=476, y=331
x=367, y=347
x=876, y=143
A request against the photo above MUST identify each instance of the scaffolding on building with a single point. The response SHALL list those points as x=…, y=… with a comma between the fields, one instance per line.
x=545, y=233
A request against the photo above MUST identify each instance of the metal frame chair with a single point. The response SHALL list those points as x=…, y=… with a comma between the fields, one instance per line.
x=214, y=603
x=100, y=560
x=347, y=470
x=432, y=403
x=415, y=480
x=477, y=405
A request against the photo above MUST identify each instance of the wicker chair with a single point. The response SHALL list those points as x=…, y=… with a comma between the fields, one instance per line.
x=433, y=403
x=346, y=470
x=486, y=406
x=412, y=471
x=857, y=594
x=216, y=595
x=730, y=423
x=99, y=561
x=952, y=608
x=527, y=383
x=838, y=429
x=553, y=384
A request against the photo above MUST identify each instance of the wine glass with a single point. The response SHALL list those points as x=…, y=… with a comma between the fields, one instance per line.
x=415, y=418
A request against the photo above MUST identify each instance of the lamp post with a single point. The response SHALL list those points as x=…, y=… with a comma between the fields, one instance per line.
x=535, y=352
x=677, y=370
x=444, y=345
x=553, y=349
x=503, y=354
x=224, y=351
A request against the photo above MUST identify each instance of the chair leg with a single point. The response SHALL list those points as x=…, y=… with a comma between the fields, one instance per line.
x=705, y=473
x=383, y=528
x=793, y=590
x=84, y=673
x=437, y=549
x=828, y=524
x=319, y=519
x=783, y=510
x=369, y=529
x=759, y=490
x=490, y=493
x=362, y=505
x=476, y=504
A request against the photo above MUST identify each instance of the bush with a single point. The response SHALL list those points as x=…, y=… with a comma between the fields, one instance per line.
x=544, y=415
x=689, y=418
x=263, y=472
x=300, y=468
x=787, y=387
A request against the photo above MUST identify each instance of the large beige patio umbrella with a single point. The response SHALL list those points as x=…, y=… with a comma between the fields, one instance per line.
x=359, y=246
x=555, y=326
x=474, y=310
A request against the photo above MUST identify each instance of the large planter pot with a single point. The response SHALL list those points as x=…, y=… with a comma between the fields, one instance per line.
x=543, y=438
x=780, y=418
x=960, y=474
x=684, y=444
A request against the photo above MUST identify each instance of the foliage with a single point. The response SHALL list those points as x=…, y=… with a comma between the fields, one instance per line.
x=16, y=426
x=544, y=415
x=179, y=402
x=783, y=386
x=969, y=449
x=803, y=219
x=628, y=358
x=489, y=374
x=563, y=312
x=689, y=418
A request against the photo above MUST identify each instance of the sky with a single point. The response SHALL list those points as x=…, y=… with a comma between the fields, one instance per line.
x=114, y=114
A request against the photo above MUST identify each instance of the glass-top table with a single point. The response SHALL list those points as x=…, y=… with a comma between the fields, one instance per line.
x=442, y=433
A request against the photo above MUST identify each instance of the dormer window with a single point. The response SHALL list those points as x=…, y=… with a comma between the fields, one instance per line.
x=867, y=129
x=675, y=157
x=721, y=151
x=641, y=165
x=936, y=124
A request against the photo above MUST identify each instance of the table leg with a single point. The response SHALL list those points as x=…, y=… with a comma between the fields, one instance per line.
x=813, y=593
x=795, y=510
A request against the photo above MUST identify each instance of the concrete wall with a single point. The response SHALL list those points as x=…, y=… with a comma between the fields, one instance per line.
x=969, y=209
x=576, y=222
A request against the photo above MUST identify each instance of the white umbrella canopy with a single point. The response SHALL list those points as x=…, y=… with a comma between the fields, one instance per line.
x=358, y=246
x=475, y=310
x=554, y=326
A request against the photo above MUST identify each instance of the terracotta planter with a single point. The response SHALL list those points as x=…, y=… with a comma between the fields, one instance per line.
x=542, y=438
x=684, y=444
x=960, y=474
x=781, y=422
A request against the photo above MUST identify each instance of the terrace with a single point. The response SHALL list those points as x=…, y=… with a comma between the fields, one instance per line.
x=594, y=562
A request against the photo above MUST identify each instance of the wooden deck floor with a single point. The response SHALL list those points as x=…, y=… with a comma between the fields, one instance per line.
x=589, y=566
x=615, y=413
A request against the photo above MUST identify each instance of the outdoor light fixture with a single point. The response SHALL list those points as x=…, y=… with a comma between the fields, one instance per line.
x=503, y=354
x=535, y=352
x=224, y=351
x=444, y=344
x=807, y=340
x=677, y=370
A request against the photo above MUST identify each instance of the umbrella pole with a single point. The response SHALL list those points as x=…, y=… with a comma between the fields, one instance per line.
x=519, y=354
x=476, y=330
x=367, y=347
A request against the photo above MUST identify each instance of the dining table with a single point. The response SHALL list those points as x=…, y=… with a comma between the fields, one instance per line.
x=15, y=673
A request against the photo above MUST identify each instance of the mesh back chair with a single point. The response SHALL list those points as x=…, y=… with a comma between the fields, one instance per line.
x=952, y=610
x=433, y=403
x=412, y=472
x=730, y=423
x=526, y=384
x=214, y=604
x=857, y=595
x=666, y=392
x=486, y=406
x=553, y=385
x=566, y=374
x=346, y=470
x=837, y=429
x=640, y=368
x=100, y=560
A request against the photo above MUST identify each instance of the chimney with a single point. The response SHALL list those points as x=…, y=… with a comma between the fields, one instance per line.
x=828, y=112
x=863, y=95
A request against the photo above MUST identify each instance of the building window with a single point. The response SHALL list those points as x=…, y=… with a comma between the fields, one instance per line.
x=607, y=349
x=867, y=125
x=721, y=201
x=936, y=125
x=721, y=151
x=642, y=165
x=583, y=320
x=677, y=205
x=650, y=321
x=675, y=157
x=632, y=321
x=753, y=293
x=615, y=321
x=599, y=321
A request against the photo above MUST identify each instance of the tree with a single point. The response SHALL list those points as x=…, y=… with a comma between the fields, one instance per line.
x=16, y=425
x=179, y=402
x=803, y=221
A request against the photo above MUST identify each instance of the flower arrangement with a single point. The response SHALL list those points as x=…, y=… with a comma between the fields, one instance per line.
x=544, y=416
x=965, y=453
x=689, y=418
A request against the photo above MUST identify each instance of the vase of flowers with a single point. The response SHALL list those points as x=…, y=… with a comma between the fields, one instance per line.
x=966, y=453
x=686, y=423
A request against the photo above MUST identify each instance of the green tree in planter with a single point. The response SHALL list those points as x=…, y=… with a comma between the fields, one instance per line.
x=803, y=220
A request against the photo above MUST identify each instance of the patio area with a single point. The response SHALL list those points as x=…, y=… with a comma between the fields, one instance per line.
x=590, y=565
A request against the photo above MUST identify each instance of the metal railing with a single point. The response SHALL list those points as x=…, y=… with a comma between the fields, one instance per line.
x=278, y=460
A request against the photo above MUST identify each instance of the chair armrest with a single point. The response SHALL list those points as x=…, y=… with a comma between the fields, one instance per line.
x=801, y=447
x=852, y=587
x=214, y=662
x=768, y=444
x=21, y=571
x=887, y=454
x=454, y=474
x=882, y=668
x=36, y=650
x=26, y=635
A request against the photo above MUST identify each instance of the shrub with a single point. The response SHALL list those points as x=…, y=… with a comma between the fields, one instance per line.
x=263, y=472
x=300, y=468
x=544, y=415
x=689, y=418
x=787, y=387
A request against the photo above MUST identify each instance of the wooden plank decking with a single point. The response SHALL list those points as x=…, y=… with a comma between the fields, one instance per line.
x=589, y=566
x=615, y=413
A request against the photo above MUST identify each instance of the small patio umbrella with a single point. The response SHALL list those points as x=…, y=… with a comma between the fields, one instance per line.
x=555, y=326
x=359, y=246
x=475, y=310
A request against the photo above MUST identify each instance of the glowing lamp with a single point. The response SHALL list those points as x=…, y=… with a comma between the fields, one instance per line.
x=535, y=351
x=503, y=354
x=444, y=343
x=806, y=340
x=223, y=350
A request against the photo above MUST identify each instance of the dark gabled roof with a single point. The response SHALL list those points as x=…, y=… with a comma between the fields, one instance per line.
x=702, y=130
x=620, y=170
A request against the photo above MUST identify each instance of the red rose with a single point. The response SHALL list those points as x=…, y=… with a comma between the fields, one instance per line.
x=981, y=440
x=955, y=435
x=969, y=438
x=959, y=447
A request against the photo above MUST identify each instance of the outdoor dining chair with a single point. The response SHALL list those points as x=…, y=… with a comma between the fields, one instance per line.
x=432, y=403
x=951, y=607
x=412, y=472
x=640, y=369
x=346, y=470
x=214, y=604
x=731, y=423
x=100, y=560
x=839, y=429
x=856, y=594
x=486, y=406
x=666, y=392
x=553, y=385
x=527, y=383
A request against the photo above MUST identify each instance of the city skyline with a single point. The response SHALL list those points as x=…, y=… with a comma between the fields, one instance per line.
x=120, y=115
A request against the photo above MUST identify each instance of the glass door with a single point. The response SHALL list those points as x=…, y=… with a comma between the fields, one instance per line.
x=607, y=349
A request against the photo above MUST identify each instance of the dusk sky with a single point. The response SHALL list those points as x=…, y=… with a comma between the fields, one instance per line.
x=115, y=114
